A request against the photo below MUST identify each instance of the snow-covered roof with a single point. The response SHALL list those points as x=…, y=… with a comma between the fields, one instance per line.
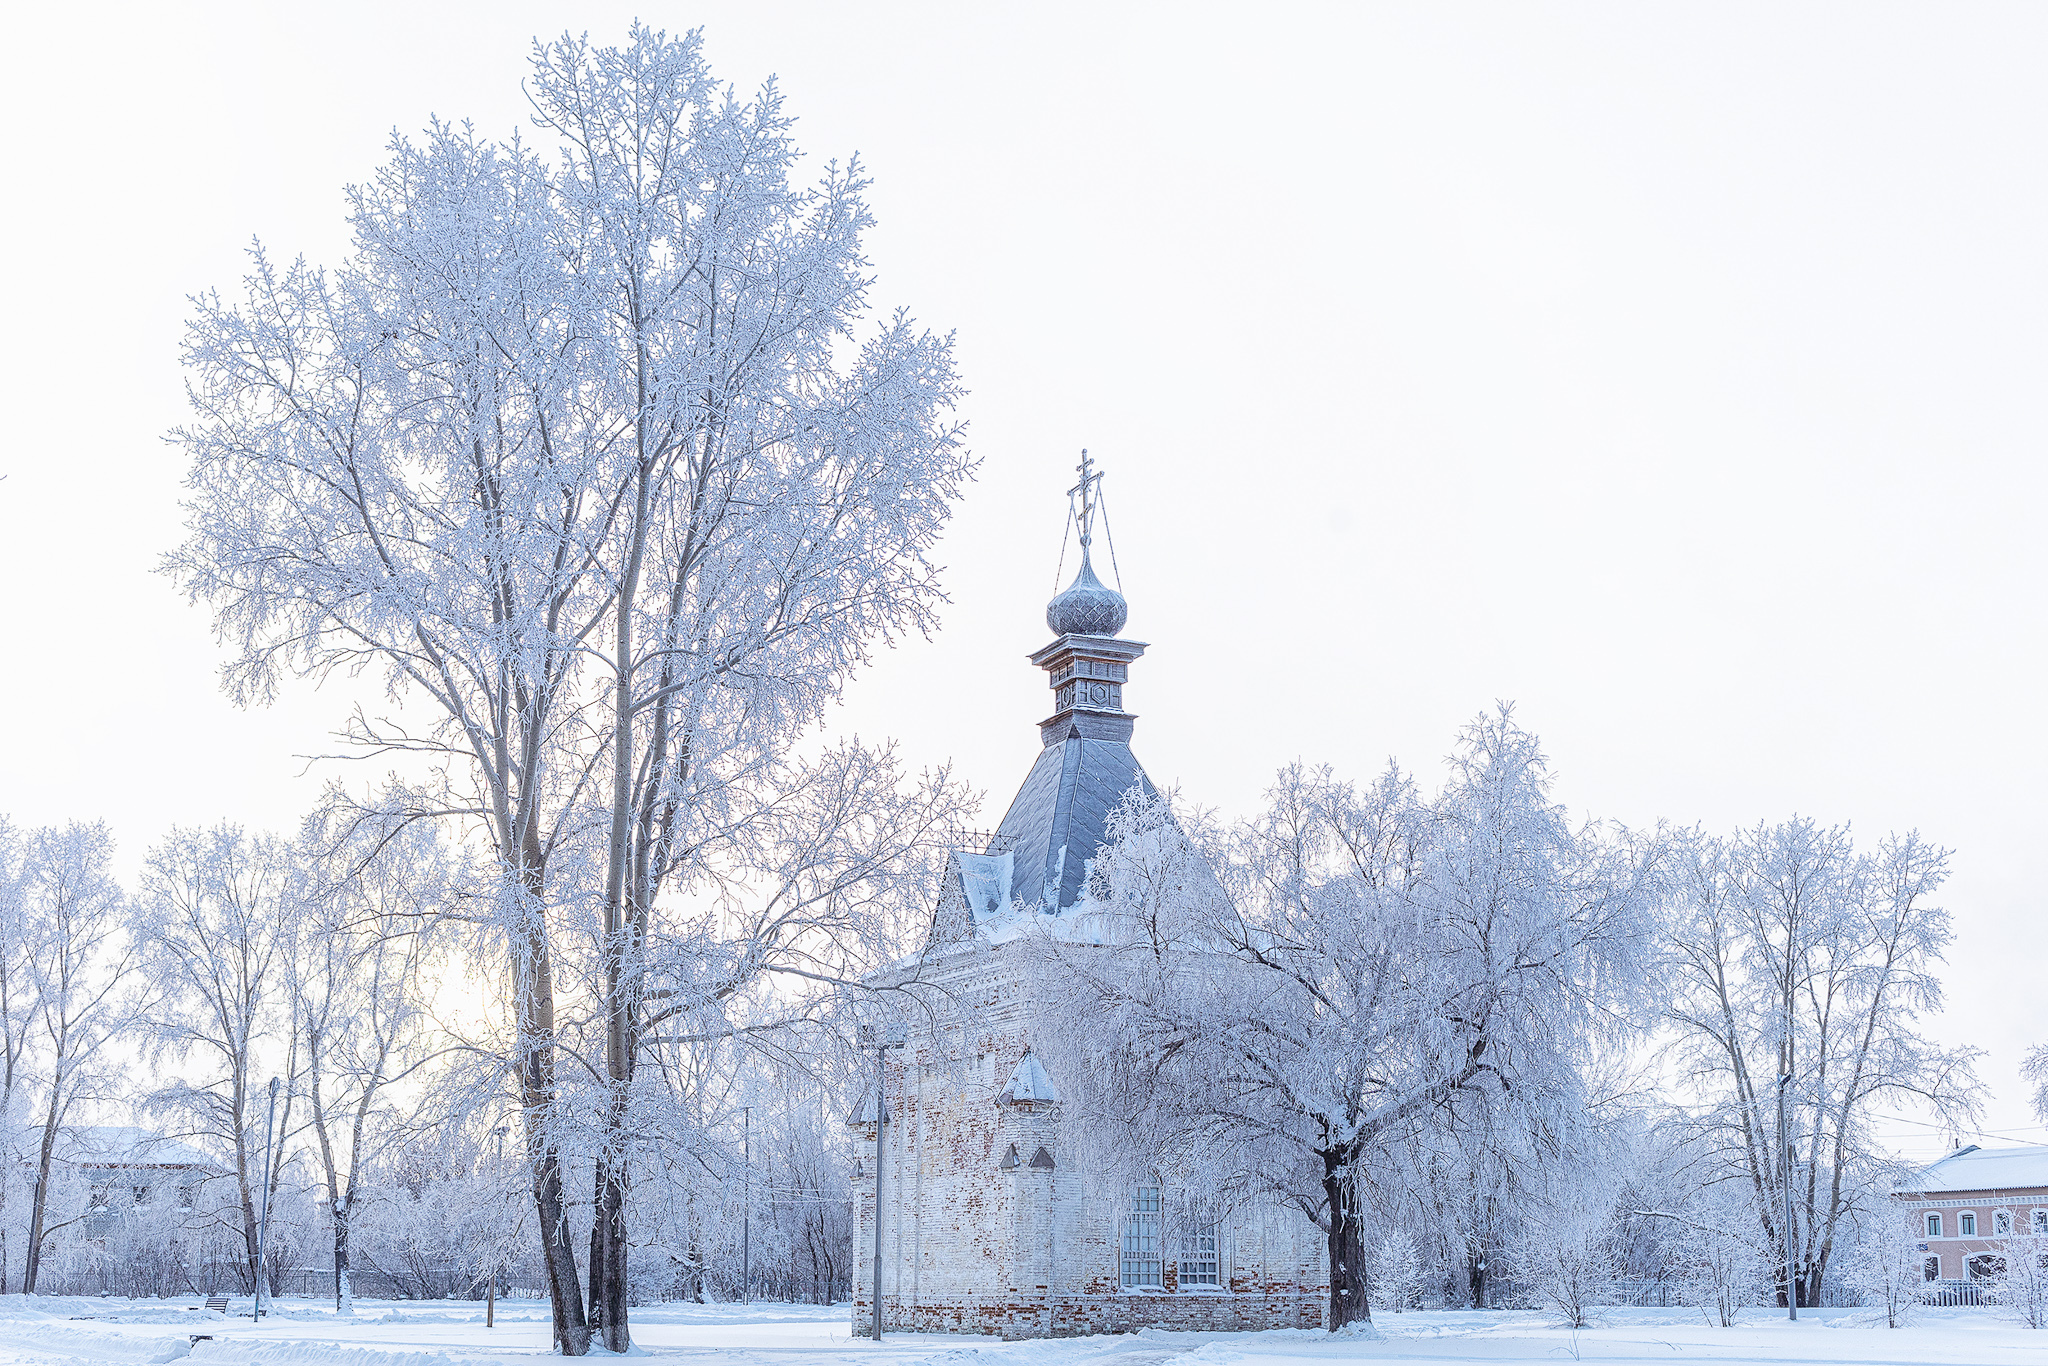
x=126, y=1145
x=1029, y=1082
x=985, y=882
x=1983, y=1169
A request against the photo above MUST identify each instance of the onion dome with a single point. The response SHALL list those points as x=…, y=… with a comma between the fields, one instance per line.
x=1088, y=607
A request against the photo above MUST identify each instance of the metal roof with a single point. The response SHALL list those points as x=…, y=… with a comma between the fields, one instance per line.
x=1056, y=822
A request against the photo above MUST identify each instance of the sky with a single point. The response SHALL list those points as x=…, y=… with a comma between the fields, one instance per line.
x=1673, y=372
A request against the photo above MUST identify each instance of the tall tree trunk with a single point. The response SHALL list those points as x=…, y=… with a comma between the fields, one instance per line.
x=608, y=1288
x=608, y=1245
x=39, y=1202
x=534, y=996
x=1348, y=1297
x=608, y=1208
x=344, y=1290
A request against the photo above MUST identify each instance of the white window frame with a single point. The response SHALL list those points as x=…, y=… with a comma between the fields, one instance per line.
x=1141, y=1259
x=1930, y=1270
x=1933, y=1224
x=2001, y=1223
x=1200, y=1263
x=1966, y=1224
x=2041, y=1221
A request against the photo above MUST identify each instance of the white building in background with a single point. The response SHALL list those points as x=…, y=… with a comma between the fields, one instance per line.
x=124, y=1167
x=986, y=1226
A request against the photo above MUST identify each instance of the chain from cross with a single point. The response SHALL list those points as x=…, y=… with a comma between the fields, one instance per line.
x=1090, y=477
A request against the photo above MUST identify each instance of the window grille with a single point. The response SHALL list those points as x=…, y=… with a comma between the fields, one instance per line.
x=1142, y=1260
x=1934, y=1225
x=1969, y=1225
x=1200, y=1263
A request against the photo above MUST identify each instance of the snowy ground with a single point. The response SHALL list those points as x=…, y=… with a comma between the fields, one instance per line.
x=58, y=1332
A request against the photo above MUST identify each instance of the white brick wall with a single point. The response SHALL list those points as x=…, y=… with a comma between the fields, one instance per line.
x=1026, y=1252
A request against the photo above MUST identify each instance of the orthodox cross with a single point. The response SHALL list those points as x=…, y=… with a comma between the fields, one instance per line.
x=1090, y=477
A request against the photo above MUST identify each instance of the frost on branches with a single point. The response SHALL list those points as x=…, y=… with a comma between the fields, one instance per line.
x=1887, y=1267
x=1787, y=937
x=2022, y=1285
x=600, y=464
x=1396, y=1272
x=1374, y=959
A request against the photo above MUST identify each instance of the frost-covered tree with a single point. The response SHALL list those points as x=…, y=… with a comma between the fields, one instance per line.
x=598, y=465
x=79, y=962
x=1790, y=944
x=1712, y=1246
x=17, y=1020
x=1571, y=1236
x=362, y=966
x=1455, y=1183
x=1886, y=1267
x=2023, y=1289
x=216, y=917
x=1564, y=1252
x=2035, y=1069
x=1374, y=957
x=1396, y=1271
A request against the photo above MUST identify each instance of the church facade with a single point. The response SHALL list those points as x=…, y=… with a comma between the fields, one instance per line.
x=986, y=1227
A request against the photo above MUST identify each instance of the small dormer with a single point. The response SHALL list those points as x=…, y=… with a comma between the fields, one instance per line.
x=1029, y=1087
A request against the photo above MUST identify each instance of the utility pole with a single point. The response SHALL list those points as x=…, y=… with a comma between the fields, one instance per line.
x=491, y=1295
x=263, y=1220
x=892, y=1035
x=747, y=1203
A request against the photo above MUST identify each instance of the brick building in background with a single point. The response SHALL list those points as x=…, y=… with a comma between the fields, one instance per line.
x=986, y=1226
x=1964, y=1208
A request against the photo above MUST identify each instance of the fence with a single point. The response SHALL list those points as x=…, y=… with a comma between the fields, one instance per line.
x=1950, y=1294
x=1655, y=1294
x=1641, y=1294
x=437, y=1282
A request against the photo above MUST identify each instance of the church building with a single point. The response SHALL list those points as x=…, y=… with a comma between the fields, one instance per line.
x=986, y=1227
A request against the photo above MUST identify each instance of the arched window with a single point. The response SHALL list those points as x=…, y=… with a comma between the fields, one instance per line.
x=1968, y=1220
x=2001, y=1222
x=1931, y=1269
x=1985, y=1267
x=1142, y=1263
x=1934, y=1225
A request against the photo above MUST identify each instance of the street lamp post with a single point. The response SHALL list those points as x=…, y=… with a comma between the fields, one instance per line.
x=263, y=1220
x=892, y=1035
x=491, y=1294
